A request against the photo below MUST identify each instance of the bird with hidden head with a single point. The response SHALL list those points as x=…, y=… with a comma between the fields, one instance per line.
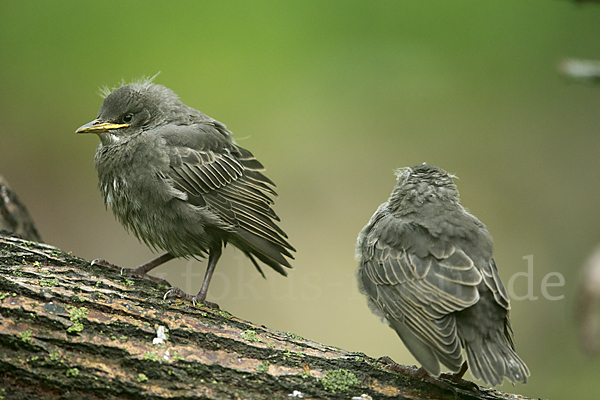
x=427, y=269
x=176, y=178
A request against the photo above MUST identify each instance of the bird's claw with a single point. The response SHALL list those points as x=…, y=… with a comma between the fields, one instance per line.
x=130, y=271
x=394, y=366
x=460, y=382
x=175, y=291
x=104, y=263
x=422, y=374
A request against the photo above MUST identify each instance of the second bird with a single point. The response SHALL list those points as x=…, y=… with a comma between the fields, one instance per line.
x=177, y=180
x=426, y=267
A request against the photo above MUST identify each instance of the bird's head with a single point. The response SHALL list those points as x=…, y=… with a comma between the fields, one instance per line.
x=132, y=109
x=421, y=185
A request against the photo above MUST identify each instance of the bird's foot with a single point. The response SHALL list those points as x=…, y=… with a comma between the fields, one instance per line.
x=422, y=374
x=131, y=271
x=394, y=366
x=104, y=263
x=176, y=292
x=457, y=378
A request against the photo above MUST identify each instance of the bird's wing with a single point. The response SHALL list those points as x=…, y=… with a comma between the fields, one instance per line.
x=232, y=185
x=418, y=282
x=494, y=283
x=226, y=179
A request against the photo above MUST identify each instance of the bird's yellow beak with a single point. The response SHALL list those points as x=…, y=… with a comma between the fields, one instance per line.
x=97, y=126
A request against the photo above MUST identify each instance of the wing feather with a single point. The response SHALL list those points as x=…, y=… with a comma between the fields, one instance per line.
x=420, y=284
x=229, y=182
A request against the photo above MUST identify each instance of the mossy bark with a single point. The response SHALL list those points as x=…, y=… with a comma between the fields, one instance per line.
x=72, y=330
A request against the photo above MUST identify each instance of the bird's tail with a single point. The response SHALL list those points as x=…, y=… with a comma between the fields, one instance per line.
x=492, y=359
x=266, y=251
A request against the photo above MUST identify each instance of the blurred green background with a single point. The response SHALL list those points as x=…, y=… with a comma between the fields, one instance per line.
x=332, y=97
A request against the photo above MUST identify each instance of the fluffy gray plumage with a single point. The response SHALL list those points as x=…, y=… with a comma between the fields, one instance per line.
x=426, y=267
x=177, y=180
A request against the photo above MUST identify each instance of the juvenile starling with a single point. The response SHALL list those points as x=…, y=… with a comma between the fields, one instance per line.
x=177, y=180
x=426, y=267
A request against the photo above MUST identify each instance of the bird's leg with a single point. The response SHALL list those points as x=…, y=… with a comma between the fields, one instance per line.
x=457, y=378
x=142, y=270
x=150, y=265
x=423, y=374
x=414, y=372
x=394, y=366
x=213, y=256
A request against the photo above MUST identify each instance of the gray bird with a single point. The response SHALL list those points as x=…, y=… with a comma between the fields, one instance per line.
x=427, y=269
x=177, y=180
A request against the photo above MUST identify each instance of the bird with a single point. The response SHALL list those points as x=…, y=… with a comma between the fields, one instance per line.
x=426, y=267
x=176, y=178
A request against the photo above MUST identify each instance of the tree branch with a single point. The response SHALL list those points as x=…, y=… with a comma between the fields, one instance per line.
x=67, y=327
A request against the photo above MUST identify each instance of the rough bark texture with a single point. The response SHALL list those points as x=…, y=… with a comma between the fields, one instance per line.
x=14, y=216
x=72, y=330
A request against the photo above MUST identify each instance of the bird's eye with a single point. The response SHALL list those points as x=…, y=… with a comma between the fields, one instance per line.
x=127, y=119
